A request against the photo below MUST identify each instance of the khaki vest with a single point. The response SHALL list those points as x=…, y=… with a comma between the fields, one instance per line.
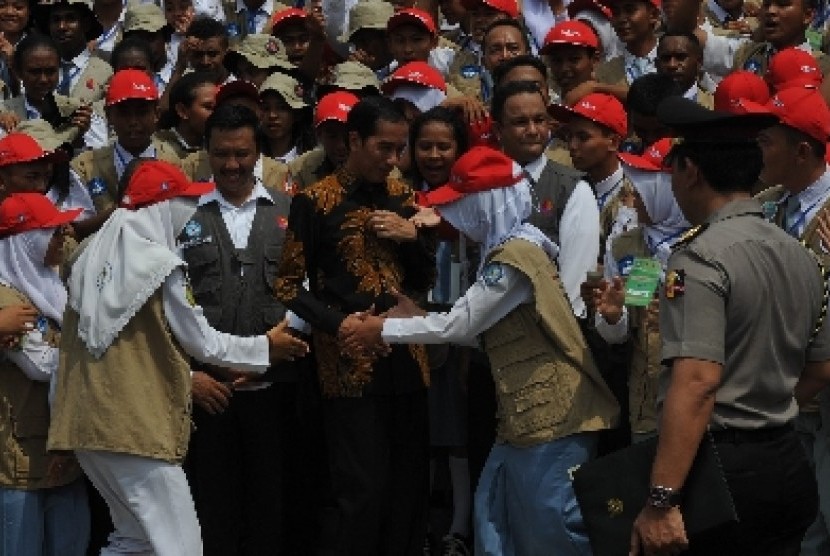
x=24, y=419
x=558, y=152
x=308, y=168
x=274, y=173
x=754, y=57
x=645, y=357
x=608, y=215
x=134, y=400
x=171, y=141
x=100, y=164
x=465, y=74
x=612, y=72
x=547, y=385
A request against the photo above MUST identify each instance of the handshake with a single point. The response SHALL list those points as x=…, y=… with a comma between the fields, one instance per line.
x=361, y=332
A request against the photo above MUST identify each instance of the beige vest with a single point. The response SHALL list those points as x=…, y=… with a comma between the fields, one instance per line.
x=547, y=385
x=757, y=55
x=134, y=400
x=645, y=358
x=66, y=106
x=612, y=72
x=100, y=164
x=467, y=82
x=171, y=141
x=24, y=419
x=274, y=173
x=305, y=170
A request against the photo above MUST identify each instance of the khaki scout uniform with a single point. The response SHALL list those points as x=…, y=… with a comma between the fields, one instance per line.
x=24, y=419
x=309, y=168
x=92, y=82
x=100, y=164
x=175, y=143
x=66, y=106
x=754, y=56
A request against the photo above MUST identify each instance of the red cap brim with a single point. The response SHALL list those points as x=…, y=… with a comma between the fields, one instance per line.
x=443, y=195
x=64, y=217
x=637, y=161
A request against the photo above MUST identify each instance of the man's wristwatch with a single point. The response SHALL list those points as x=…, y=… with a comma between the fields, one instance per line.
x=663, y=497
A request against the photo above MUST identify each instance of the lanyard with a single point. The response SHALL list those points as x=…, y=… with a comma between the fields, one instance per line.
x=802, y=214
x=604, y=197
x=68, y=76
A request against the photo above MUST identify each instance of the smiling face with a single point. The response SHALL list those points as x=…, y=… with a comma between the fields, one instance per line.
x=376, y=155
x=14, y=16
x=232, y=155
x=572, y=65
x=634, y=20
x=434, y=152
x=68, y=27
x=524, y=128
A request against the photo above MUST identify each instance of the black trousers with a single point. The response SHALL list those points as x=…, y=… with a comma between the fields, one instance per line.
x=379, y=459
x=237, y=467
x=775, y=495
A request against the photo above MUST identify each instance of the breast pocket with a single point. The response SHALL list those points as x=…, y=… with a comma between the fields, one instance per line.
x=205, y=272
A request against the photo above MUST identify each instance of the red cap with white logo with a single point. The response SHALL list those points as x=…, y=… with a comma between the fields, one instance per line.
x=411, y=16
x=792, y=67
x=334, y=106
x=415, y=73
x=602, y=109
x=574, y=32
x=131, y=84
x=804, y=110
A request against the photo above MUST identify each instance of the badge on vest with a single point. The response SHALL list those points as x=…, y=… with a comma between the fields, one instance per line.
x=42, y=324
x=492, y=273
x=282, y=222
x=625, y=265
x=470, y=71
x=546, y=207
x=752, y=65
x=193, y=229
x=675, y=283
x=96, y=187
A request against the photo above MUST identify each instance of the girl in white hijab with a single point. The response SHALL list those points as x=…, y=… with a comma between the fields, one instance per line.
x=45, y=505
x=524, y=503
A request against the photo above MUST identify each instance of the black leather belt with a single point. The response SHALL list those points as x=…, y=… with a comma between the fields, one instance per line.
x=745, y=436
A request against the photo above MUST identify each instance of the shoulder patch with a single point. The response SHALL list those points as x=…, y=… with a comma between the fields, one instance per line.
x=96, y=187
x=690, y=235
x=492, y=273
x=675, y=283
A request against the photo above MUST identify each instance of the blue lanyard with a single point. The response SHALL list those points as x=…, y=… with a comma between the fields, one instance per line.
x=604, y=197
x=68, y=76
x=802, y=214
x=653, y=246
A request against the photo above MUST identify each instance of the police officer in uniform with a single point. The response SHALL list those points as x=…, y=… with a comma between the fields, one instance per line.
x=732, y=362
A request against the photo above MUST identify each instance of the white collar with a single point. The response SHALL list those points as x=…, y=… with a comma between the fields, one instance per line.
x=716, y=9
x=629, y=58
x=29, y=108
x=267, y=7
x=287, y=157
x=815, y=193
x=123, y=158
x=536, y=167
x=604, y=186
x=692, y=92
x=259, y=192
x=82, y=59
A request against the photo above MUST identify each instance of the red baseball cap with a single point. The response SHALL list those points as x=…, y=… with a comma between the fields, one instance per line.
x=792, y=67
x=155, y=181
x=282, y=16
x=414, y=73
x=479, y=169
x=602, y=109
x=21, y=212
x=411, y=16
x=737, y=87
x=131, y=84
x=509, y=7
x=17, y=148
x=804, y=110
x=652, y=158
x=334, y=106
x=573, y=32
x=238, y=88
x=594, y=5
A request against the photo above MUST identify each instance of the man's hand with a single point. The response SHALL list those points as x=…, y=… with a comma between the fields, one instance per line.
x=575, y=95
x=82, y=118
x=210, y=394
x=609, y=299
x=471, y=109
x=658, y=532
x=426, y=218
x=9, y=121
x=284, y=346
x=363, y=335
x=17, y=319
x=389, y=225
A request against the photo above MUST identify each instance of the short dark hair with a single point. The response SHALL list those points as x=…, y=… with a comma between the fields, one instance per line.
x=229, y=117
x=693, y=40
x=509, y=22
x=716, y=161
x=130, y=44
x=648, y=91
x=365, y=115
x=510, y=89
x=205, y=27
x=444, y=115
x=29, y=43
x=501, y=70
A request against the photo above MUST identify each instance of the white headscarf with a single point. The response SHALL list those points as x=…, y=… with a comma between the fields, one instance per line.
x=22, y=268
x=122, y=265
x=668, y=222
x=495, y=216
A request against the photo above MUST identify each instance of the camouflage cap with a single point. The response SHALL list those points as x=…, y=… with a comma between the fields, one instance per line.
x=287, y=87
x=144, y=17
x=353, y=76
x=44, y=8
x=45, y=135
x=368, y=14
x=263, y=51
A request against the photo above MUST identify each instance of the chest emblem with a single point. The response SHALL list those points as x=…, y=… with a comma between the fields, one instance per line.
x=470, y=71
x=282, y=222
x=547, y=207
x=96, y=187
x=193, y=229
x=492, y=274
x=769, y=208
x=675, y=283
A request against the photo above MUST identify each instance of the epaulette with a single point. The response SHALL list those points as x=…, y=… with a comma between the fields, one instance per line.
x=690, y=235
